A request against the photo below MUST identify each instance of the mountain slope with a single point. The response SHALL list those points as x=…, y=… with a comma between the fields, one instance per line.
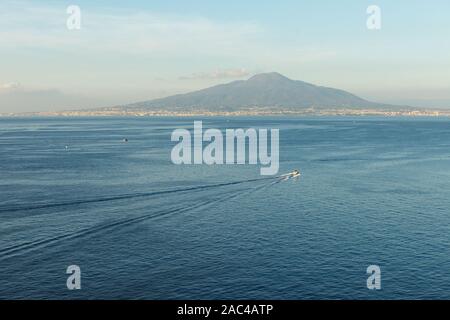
x=267, y=90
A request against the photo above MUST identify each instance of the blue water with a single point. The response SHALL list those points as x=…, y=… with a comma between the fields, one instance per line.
x=373, y=191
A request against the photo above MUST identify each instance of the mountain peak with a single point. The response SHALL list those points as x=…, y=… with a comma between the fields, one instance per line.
x=269, y=76
x=265, y=90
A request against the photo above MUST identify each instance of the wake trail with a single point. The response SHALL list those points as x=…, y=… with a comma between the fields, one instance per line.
x=129, y=196
x=11, y=251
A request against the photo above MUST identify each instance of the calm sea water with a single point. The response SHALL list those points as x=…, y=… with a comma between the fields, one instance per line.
x=373, y=191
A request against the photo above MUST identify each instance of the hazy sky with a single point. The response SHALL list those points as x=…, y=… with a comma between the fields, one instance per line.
x=129, y=51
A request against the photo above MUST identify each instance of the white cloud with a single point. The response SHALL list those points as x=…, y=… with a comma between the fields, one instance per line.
x=41, y=100
x=119, y=54
x=10, y=86
x=29, y=25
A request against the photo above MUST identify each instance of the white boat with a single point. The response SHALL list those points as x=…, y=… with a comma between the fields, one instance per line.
x=293, y=174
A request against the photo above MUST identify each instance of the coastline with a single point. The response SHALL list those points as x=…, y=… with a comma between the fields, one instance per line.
x=238, y=113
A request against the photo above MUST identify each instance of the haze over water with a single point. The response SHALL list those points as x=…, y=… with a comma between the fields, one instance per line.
x=373, y=191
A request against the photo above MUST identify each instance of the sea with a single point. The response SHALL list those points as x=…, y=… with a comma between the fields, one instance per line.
x=103, y=194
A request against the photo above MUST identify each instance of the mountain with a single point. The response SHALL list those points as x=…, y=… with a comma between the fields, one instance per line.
x=266, y=91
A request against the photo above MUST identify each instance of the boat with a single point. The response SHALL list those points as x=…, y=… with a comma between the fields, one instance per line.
x=295, y=173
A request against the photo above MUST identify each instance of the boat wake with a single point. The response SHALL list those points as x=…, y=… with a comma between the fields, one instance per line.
x=128, y=196
x=22, y=248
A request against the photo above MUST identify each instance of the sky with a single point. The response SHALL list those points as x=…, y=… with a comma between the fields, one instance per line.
x=129, y=51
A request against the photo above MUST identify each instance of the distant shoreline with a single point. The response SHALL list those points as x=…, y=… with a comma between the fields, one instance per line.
x=240, y=113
